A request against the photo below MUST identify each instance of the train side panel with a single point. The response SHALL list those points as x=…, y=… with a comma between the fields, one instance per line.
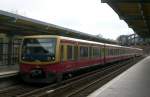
x=72, y=55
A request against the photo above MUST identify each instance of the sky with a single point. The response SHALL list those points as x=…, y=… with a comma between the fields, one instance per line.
x=88, y=16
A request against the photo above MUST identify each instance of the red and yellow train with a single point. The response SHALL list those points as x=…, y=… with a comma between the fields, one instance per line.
x=45, y=58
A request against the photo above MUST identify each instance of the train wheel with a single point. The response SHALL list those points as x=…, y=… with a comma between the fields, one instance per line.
x=70, y=75
x=59, y=77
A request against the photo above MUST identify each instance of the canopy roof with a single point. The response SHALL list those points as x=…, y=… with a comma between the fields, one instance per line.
x=13, y=24
x=136, y=13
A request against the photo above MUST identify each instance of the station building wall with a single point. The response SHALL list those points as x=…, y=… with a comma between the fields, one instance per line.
x=9, y=49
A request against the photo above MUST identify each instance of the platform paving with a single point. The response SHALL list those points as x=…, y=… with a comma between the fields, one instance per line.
x=8, y=70
x=135, y=82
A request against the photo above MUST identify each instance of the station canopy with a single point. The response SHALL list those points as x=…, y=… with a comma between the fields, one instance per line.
x=13, y=24
x=136, y=13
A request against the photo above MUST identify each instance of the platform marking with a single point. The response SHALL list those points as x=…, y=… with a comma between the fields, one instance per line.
x=8, y=72
x=50, y=91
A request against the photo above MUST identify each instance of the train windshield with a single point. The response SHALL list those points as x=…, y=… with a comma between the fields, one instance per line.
x=39, y=49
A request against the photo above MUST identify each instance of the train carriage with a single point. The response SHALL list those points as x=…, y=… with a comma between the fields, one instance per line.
x=46, y=58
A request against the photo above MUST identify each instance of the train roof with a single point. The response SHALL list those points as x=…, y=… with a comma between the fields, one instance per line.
x=40, y=36
x=79, y=40
x=92, y=42
x=62, y=37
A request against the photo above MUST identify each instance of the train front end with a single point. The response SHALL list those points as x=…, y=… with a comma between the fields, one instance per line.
x=38, y=55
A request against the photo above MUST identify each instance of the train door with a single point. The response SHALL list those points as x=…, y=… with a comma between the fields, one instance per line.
x=90, y=52
x=102, y=54
x=76, y=55
x=62, y=53
x=106, y=54
x=67, y=55
x=76, y=52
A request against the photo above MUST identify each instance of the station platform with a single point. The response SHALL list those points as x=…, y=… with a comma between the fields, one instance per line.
x=9, y=70
x=134, y=82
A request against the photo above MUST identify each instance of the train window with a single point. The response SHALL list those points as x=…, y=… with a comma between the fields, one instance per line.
x=41, y=49
x=121, y=51
x=83, y=51
x=62, y=57
x=96, y=52
x=76, y=52
x=124, y=51
x=102, y=52
x=114, y=52
x=109, y=51
x=117, y=51
x=106, y=51
x=1, y=49
x=70, y=52
x=90, y=52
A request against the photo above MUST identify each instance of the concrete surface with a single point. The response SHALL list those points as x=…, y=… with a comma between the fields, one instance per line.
x=135, y=82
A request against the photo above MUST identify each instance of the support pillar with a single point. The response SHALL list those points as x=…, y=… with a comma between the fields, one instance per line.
x=10, y=50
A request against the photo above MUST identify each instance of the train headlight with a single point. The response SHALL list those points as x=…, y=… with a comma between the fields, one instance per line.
x=53, y=58
x=49, y=58
x=23, y=57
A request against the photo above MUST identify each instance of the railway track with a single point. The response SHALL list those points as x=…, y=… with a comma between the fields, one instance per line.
x=74, y=87
x=16, y=90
